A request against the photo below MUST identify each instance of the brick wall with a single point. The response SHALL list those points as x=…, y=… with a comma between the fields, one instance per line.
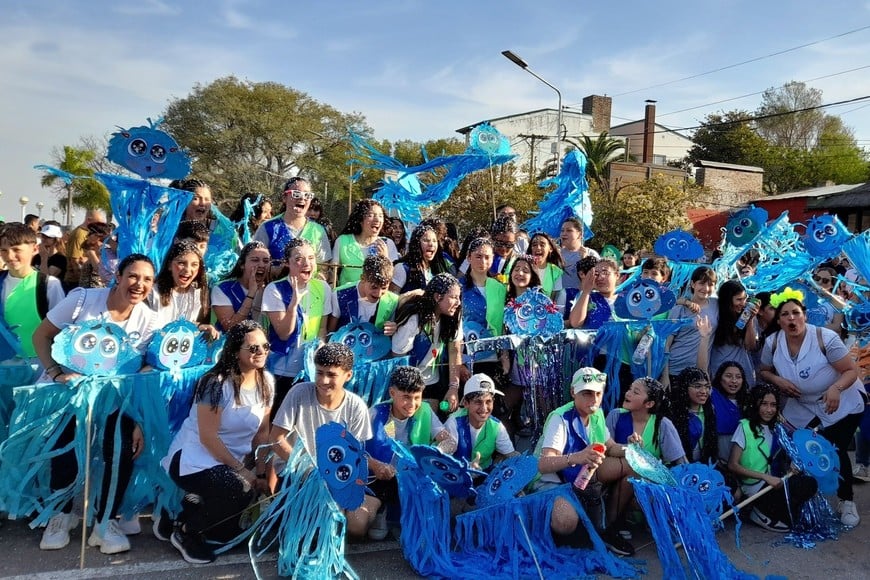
x=729, y=187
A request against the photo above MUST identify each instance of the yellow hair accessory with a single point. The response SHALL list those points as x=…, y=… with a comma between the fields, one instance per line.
x=785, y=296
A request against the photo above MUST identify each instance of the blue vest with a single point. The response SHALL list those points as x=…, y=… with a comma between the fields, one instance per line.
x=279, y=236
x=465, y=445
x=379, y=445
x=421, y=347
x=285, y=347
x=696, y=430
x=727, y=413
x=236, y=293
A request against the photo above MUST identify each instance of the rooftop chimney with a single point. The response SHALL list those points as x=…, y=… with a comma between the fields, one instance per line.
x=649, y=129
x=599, y=108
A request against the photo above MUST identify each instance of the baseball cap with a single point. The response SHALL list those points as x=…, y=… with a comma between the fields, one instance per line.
x=481, y=383
x=51, y=231
x=588, y=379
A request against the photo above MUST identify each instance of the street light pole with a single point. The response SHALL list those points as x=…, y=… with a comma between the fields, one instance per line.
x=514, y=58
x=23, y=201
x=39, y=206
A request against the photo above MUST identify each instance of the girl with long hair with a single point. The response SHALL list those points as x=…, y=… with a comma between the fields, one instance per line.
x=730, y=395
x=240, y=295
x=691, y=411
x=421, y=263
x=181, y=288
x=361, y=237
x=729, y=342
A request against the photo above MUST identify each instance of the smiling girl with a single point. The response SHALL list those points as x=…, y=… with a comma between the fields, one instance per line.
x=730, y=393
x=239, y=296
x=691, y=412
x=361, y=238
x=548, y=265
x=181, y=289
x=684, y=346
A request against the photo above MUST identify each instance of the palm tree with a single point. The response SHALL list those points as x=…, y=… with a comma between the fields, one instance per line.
x=87, y=192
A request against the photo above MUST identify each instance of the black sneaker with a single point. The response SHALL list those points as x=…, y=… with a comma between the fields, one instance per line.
x=617, y=544
x=762, y=521
x=163, y=526
x=192, y=547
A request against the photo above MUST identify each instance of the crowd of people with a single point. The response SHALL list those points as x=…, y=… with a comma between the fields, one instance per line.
x=296, y=281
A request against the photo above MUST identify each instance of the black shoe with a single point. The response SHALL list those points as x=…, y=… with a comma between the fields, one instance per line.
x=163, y=526
x=192, y=547
x=761, y=520
x=617, y=544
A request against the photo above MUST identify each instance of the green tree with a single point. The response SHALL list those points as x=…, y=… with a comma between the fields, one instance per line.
x=87, y=192
x=837, y=156
x=247, y=136
x=640, y=212
x=783, y=122
x=728, y=138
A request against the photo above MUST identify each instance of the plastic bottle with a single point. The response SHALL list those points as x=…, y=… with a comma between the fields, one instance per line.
x=643, y=346
x=746, y=314
x=586, y=472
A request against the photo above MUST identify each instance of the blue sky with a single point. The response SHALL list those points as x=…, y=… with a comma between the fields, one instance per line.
x=415, y=69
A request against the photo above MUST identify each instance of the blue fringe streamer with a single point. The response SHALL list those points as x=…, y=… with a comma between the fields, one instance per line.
x=569, y=198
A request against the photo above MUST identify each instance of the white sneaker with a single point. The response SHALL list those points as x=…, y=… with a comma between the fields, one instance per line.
x=130, y=527
x=56, y=534
x=379, y=529
x=861, y=472
x=109, y=537
x=848, y=513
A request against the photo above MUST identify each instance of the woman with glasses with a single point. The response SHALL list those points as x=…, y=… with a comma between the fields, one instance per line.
x=213, y=457
x=293, y=223
x=240, y=295
x=361, y=238
x=826, y=278
x=691, y=412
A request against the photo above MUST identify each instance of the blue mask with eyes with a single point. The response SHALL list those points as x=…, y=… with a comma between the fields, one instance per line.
x=149, y=153
x=96, y=347
x=744, y=225
x=473, y=330
x=825, y=236
x=533, y=314
x=707, y=482
x=450, y=474
x=819, y=458
x=177, y=345
x=506, y=480
x=364, y=339
x=679, y=246
x=342, y=464
x=486, y=140
x=643, y=299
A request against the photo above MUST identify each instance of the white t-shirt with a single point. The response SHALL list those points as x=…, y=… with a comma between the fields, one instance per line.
x=403, y=342
x=182, y=305
x=503, y=444
x=400, y=275
x=365, y=309
x=555, y=436
x=301, y=411
x=290, y=364
x=239, y=424
x=53, y=289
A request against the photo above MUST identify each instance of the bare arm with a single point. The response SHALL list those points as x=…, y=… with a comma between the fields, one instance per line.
x=581, y=305
x=740, y=471
x=552, y=461
x=284, y=322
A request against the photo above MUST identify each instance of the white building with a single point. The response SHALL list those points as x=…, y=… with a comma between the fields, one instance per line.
x=668, y=145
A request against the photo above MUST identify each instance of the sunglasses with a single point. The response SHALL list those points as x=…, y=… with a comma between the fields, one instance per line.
x=498, y=244
x=299, y=194
x=258, y=348
x=593, y=377
x=821, y=280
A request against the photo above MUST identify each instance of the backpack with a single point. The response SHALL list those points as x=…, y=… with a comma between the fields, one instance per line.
x=818, y=338
x=41, y=291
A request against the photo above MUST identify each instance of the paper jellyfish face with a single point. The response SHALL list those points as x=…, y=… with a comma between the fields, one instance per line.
x=819, y=458
x=745, y=225
x=533, y=313
x=364, y=339
x=342, y=464
x=148, y=152
x=448, y=473
x=611, y=252
x=507, y=479
x=486, y=140
x=96, y=347
x=679, y=246
x=644, y=299
x=175, y=346
x=704, y=480
x=858, y=318
x=473, y=331
x=825, y=236
x=647, y=465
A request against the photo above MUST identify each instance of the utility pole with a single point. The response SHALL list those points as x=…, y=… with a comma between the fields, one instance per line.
x=531, y=140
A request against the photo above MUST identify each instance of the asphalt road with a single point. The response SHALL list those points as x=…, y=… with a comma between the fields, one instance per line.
x=761, y=553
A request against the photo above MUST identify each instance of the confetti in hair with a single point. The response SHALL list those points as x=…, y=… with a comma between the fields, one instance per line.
x=377, y=270
x=478, y=243
x=334, y=354
x=441, y=284
x=655, y=391
x=407, y=379
x=691, y=375
x=788, y=294
x=293, y=244
x=504, y=225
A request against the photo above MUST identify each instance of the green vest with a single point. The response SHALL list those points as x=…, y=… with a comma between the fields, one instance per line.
x=386, y=308
x=650, y=444
x=755, y=454
x=495, y=294
x=596, y=430
x=485, y=444
x=20, y=311
x=351, y=258
x=317, y=293
x=549, y=277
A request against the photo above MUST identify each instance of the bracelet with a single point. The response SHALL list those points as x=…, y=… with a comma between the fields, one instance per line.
x=55, y=375
x=261, y=476
x=250, y=297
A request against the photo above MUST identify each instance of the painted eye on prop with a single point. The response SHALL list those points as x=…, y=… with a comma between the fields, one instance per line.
x=86, y=343
x=830, y=230
x=335, y=454
x=365, y=339
x=650, y=294
x=704, y=486
x=495, y=485
x=820, y=235
x=343, y=472
x=137, y=147
x=690, y=480
x=186, y=343
x=349, y=341
x=109, y=346
x=158, y=154
x=471, y=336
x=525, y=312
x=813, y=448
x=738, y=230
x=171, y=345
x=635, y=297
x=672, y=243
x=745, y=222
x=540, y=311
x=507, y=474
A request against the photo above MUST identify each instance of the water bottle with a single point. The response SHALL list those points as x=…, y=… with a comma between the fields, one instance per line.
x=639, y=356
x=586, y=472
x=746, y=314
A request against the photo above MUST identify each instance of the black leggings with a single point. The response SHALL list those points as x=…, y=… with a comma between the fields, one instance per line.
x=841, y=434
x=214, y=502
x=65, y=468
x=800, y=489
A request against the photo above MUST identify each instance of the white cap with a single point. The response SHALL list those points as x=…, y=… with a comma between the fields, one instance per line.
x=588, y=379
x=51, y=231
x=481, y=383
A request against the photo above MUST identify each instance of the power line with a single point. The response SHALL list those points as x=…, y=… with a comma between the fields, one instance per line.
x=756, y=59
